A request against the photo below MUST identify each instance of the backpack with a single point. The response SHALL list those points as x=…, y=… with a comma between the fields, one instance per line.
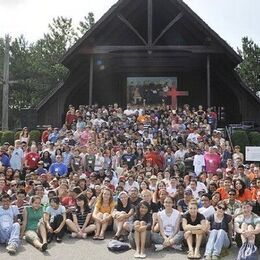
x=248, y=251
x=117, y=246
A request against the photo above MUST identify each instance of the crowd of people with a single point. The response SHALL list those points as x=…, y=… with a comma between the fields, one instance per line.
x=154, y=176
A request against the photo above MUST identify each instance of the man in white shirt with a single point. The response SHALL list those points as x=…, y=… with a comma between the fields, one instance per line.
x=9, y=226
x=207, y=209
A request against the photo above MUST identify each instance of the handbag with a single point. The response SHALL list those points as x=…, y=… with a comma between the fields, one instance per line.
x=248, y=251
x=117, y=246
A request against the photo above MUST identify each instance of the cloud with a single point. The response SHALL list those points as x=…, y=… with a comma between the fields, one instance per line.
x=7, y=3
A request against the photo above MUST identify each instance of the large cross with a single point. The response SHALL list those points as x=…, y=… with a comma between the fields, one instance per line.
x=174, y=93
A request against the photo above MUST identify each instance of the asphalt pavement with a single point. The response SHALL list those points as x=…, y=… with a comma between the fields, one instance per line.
x=76, y=249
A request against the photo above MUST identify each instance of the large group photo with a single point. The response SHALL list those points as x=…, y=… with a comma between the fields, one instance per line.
x=130, y=129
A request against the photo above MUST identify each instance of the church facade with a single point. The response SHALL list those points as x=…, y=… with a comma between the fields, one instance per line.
x=149, y=52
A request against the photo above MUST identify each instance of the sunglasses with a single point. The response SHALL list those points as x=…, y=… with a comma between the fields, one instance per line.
x=219, y=207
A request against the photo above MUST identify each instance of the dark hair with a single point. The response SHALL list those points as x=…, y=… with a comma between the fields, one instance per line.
x=241, y=191
x=35, y=197
x=232, y=190
x=5, y=196
x=21, y=191
x=55, y=200
x=222, y=203
x=206, y=195
x=52, y=192
x=120, y=204
x=84, y=198
x=142, y=203
x=228, y=179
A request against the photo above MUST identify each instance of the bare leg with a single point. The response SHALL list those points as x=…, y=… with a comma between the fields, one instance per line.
x=89, y=229
x=244, y=228
x=137, y=243
x=43, y=233
x=71, y=226
x=98, y=224
x=119, y=225
x=143, y=239
x=104, y=226
x=199, y=238
x=188, y=237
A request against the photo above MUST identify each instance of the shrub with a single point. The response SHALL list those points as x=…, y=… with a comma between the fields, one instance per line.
x=240, y=138
x=254, y=138
x=35, y=135
x=8, y=136
x=1, y=134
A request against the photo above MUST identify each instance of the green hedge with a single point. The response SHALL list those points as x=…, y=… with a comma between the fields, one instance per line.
x=240, y=138
x=35, y=135
x=254, y=138
x=8, y=136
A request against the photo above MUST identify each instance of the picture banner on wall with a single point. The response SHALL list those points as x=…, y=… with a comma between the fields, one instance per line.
x=149, y=90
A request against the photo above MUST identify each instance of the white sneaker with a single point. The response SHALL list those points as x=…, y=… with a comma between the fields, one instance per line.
x=73, y=234
x=11, y=249
x=177, y=247
x=158, y=247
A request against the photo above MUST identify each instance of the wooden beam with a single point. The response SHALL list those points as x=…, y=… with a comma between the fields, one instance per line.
x=208, y=81
x=172, y=22
x=91, y=69
x=150, y=22
x=131, y=27
x=178, y=48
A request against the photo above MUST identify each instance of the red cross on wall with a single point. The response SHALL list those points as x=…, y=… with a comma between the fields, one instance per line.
x=174, y=93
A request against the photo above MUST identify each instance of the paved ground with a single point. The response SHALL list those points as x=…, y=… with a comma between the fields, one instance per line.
x=74, y=249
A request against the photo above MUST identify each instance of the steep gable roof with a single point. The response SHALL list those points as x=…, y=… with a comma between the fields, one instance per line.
x=188, y=12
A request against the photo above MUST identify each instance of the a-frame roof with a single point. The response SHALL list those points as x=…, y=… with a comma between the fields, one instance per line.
x=185, y=10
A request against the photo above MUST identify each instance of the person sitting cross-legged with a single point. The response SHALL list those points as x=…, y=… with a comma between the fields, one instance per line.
x=9, y=226
x=80, y=225
x=169, y=225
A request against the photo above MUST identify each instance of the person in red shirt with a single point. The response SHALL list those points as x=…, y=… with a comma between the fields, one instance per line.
x=32, y=158
x=224, y=190
x=45, y=134
x=155, y=157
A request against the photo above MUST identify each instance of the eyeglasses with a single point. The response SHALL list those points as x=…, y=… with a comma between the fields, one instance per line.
x=219, y=207
x=232, y=194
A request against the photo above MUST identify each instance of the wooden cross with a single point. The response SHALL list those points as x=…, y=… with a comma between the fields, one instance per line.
x=174, y=93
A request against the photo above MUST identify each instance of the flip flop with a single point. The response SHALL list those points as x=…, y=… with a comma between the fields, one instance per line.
x=101, y=238
x=95, y=238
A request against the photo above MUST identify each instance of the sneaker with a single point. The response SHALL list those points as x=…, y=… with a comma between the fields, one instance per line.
x=11, y=249
x=158, y=247
x=207, y=257
x=177, y=247
x=214, y=257
x=73, y=234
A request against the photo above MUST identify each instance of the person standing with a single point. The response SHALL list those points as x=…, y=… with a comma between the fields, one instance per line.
x=17, y=156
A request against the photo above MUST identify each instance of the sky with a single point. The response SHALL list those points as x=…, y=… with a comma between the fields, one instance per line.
x=231, y=19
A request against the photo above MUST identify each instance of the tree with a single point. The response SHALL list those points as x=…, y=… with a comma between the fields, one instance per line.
x=86, y=24
x=37, y=66
x=249, y=69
